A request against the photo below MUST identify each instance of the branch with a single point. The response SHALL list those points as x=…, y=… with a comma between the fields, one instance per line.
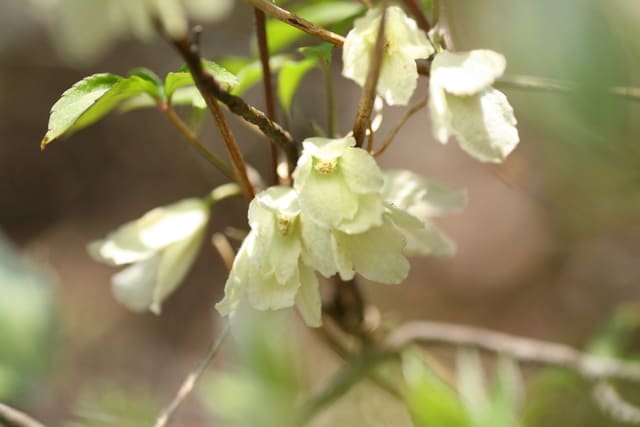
x=407, y=115
x=523, y=349
x=300, y=23
x=418, y=15
x=11, y=417
x=210, y=89
x=190, y=381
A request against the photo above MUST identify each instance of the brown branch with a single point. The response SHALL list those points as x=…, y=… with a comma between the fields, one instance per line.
x=267, y=82
x=302, y=24
x=190, y=381
x=418, y=15
x=387, y=142
x=211, y=90
x=523, y=349
x=365, y=106
x=11, y=417
x=191, y=137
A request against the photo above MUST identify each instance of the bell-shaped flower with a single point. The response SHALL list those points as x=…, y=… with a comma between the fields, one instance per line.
x=412, y=202
x=160, y=246
x=339, y=185
x=404, y=43
x=268, y=269
x=463, y=104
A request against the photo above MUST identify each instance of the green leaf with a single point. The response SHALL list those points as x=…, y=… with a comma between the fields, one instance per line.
x=430, y=401
x=281, y=35
x=249, y=72
x=321, y=52
x=289, y=80
x=154, y=88
x=91, y=99
x=182, y=78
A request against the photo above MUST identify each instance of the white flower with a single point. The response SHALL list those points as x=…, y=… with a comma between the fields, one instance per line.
x=463, y=104
x=268, y=268
x=339, y=185
x=413, y=201
x=161, y=246
x=404, y=43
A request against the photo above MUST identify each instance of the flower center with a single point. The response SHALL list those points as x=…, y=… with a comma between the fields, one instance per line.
x=285, y=224
x=325, y=166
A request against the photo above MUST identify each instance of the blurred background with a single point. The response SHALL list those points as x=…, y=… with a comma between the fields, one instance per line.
x=548, y=247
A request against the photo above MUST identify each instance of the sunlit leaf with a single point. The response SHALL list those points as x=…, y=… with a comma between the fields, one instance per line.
x=91, y=99
x=249, y=72
x=183, y=78
x=289, y=80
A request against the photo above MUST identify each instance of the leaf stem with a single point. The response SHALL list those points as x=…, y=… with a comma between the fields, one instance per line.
x=192, y=139
x=267, y=82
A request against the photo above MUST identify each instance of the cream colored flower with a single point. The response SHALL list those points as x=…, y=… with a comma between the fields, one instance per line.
x=463, y=104
x=268, y=269
x=404, y=43
x=161, y=246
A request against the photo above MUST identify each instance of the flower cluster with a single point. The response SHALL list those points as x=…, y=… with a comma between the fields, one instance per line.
x=343, y=216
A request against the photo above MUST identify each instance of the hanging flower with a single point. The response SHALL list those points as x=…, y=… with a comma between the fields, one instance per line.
x=463, y=104
x=339, y=185
x=160, y=246
x=404, y=43
x=268, y=268
x=412, y=203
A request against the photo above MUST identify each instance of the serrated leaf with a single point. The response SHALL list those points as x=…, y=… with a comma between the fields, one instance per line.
x=182, y=78
x=91, y=99
x=321, y=52
x=289, y=80
x=430, y=401
x=281, y=35
x=151, y=77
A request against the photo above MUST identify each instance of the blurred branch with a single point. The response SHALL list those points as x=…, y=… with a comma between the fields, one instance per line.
x=10, y=417
x=552, y=85
x=302, y=24
x=190, y=381
x=522, y=349
x=407, y=115
x=610, y=402
x=367, y=99
x=194, y=141
x=418, y=15
x=212, y=91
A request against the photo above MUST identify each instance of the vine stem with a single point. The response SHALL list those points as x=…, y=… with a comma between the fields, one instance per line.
x=302, y=24
x=191, y=380
x=267, y=82
x=192, y=139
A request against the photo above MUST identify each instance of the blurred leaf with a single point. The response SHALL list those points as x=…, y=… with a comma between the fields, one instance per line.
x=92, y=98
x=27, y=324
x=281, y=35
x=289, y=79
x=321, y=52
x=249, y=72
x=430, y=401
x=614, y=337
x=183, y=78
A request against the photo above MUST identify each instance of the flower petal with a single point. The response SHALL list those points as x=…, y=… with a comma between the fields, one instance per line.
x=318, y=248
x=133, y=287
x=360, y=171
x=484, y=125
x=238, y=279
x=327, y=199
x=369, y=214
x=266, y=293
x=422, y=238
x=308, y=299
x=398, y=79
x=467, y=73
x=440, y=114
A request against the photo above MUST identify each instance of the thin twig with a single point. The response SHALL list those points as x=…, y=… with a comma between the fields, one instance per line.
x=267, y=82
x=191, y=137
x=302, y=24
x=389, y=139
x=370, y=85
x=190, y=381
x=418, y=15
x=523, y=349
x=224, y=248
x=210, y=89
x=10, y=417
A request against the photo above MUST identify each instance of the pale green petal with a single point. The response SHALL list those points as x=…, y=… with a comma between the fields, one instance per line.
x=356, y=52
x=171, y=15
x=342, y=251
x=318, y=248
x=308, y=299
x=369, y=214
x=360, y=171
x=377, y=254
x=327, y=199
x=439, y=112
x=266, y=293
x=119, y=252
x=404, y=35
x=175, y=262
x=238, y=280
x=279, y=199
x=209, y=10
x=133, y=287
x=282, y=257
x=302, y=171
x=484, y=125
x=398, y=79
x=466, y=73
x=423, y=238
x=328, y=149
